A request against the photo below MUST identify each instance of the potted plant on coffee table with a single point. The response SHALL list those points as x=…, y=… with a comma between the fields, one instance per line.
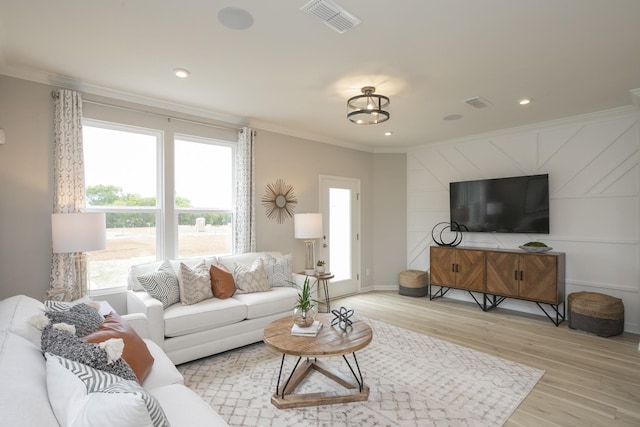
x=305, y=310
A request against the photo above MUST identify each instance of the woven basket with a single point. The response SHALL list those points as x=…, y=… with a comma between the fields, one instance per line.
x=413, y=283
x=596, y=313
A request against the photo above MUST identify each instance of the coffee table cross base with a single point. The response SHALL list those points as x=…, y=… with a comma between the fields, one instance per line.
x=355, y=390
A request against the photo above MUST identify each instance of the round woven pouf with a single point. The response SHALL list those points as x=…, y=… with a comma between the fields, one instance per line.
x=599, y=314
x=413, y=283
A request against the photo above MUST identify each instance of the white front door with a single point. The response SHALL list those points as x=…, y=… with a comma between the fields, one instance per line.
x=340, y=245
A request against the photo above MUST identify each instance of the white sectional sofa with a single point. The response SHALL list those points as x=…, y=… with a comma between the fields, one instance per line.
x=189, y=332
x=24, y=398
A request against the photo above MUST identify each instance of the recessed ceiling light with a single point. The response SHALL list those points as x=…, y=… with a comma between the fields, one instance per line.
x=235, y=18
x=524, y=101
x=452, y=117
x=181, y=72
x=389, y=133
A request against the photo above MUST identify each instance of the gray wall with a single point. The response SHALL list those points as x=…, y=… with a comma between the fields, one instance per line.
x=26, y=115
x=26, y=193
x=390, y=219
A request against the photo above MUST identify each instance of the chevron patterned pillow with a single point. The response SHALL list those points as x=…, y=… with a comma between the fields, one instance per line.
x=251, y=280
x=162, y=284
x=81, y=396
x=195, y=283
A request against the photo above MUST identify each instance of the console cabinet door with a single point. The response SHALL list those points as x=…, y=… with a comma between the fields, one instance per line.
x=470, y=268
x=457, y=268
x=442, y=266
x=502, y=273
x=531, y=276
x=539, y=278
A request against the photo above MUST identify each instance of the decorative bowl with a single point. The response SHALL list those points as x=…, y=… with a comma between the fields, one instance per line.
x=535, y=248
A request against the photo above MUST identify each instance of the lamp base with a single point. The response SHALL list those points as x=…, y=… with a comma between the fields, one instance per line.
x=309, y=272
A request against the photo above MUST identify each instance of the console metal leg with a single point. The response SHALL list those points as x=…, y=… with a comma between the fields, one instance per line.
x=559, y=318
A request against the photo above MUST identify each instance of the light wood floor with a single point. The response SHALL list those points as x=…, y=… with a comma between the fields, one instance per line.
x=588, y=380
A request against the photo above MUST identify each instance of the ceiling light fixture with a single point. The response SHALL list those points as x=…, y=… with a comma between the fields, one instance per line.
x=524, y=101
x=389, y=133
x=369, y=108
x=181, y=73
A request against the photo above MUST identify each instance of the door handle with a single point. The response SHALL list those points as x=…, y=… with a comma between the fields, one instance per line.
x=325, y=245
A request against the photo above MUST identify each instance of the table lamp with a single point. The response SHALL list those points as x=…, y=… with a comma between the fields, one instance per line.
x=78, y=233
x=308, y=227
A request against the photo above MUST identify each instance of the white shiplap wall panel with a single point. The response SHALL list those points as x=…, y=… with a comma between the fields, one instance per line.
x=573, y=218
x=520, y=149
x=594, y=178
x=621, y=180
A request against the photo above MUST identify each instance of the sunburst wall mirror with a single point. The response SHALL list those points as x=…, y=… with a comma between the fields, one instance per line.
x=279, y=201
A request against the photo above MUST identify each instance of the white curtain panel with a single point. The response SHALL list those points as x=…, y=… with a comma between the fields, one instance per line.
x=68, y=182
x=244, y=236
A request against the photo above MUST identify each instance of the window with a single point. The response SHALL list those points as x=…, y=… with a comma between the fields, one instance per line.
x=163, y=197
x=204, y=196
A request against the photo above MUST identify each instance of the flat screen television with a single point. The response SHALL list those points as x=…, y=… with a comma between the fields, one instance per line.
x=517, y=204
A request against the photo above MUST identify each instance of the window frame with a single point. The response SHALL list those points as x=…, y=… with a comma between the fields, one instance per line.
x=165, y=211
x=198, y=209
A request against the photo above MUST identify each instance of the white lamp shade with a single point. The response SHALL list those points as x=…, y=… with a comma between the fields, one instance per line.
x=308, y=226
x=78, y=232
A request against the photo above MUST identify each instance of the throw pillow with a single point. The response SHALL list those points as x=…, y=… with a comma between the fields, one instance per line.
x=135, y=353
x=62, y=343
x=52, y=305
x=162, y=284
x=195, y=283
x=82, y=396
x=85, y=318
x=253, y=279
x=222, y=282
x=278, y=269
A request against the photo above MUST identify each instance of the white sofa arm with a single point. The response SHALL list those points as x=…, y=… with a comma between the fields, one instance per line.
x=138, y=321
x=142, y=302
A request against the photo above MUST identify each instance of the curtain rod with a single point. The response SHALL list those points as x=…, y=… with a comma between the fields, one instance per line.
x=55, y=95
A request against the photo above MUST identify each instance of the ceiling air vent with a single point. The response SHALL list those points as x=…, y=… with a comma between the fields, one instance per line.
x=331, y=15
x=478, y=102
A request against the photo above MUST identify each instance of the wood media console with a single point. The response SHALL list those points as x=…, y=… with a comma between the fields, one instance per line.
x=499, y=274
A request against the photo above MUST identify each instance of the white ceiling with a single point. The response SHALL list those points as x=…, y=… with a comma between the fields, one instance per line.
x=292, y=74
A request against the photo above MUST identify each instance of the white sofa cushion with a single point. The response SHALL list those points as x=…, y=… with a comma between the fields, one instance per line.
x=262, y=304
x=15, y=316
x=23, y=392
x=211, y=313
x=83, y=396
x=184, y=408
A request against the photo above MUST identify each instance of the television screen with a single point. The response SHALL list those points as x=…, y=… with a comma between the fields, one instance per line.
x=504, y=205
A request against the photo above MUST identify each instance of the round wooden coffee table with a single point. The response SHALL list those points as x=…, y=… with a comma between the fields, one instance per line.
x=330, y=341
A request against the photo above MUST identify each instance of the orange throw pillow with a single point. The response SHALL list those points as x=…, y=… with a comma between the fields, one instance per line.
x=135, y=352
x=222, y=282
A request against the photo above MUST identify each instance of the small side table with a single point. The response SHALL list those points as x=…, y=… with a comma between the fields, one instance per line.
x=323, y=280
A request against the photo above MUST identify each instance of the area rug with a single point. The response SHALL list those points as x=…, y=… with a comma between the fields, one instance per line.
x=414, y=380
